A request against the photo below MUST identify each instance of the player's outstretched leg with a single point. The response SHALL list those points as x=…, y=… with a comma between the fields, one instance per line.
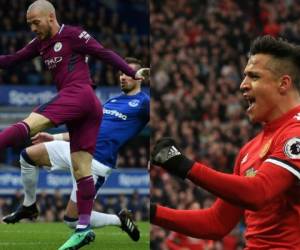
x=79, y=239
x=15, y=135
x=22, y=212
x=128, y=225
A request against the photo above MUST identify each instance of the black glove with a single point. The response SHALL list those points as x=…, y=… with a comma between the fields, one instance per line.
x=167, y=155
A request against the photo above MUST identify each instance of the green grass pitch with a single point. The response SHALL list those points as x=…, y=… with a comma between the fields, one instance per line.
x=50, y=236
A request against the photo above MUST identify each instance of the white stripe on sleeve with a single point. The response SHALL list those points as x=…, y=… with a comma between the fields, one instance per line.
x=285, y=166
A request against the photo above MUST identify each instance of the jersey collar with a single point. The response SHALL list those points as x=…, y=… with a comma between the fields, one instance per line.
x=295, y=112
x=61, y=28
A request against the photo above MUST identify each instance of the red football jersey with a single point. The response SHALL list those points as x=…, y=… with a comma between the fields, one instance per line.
x=177, y=241
x=277, y=225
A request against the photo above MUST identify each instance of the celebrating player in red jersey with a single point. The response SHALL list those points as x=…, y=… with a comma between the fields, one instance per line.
x=265, y=185
x=63, y=49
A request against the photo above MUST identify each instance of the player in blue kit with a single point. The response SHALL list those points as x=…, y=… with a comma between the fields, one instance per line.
x=124, y=117
x=63, y=50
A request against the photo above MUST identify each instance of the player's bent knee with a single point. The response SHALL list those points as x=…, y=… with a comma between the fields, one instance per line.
x=25, y=159
x=39, y=155
x=71, y=222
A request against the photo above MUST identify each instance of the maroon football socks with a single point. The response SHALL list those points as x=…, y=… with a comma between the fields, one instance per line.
x=85, y=199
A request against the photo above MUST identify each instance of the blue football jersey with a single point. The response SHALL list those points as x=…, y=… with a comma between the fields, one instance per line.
x=124, y=117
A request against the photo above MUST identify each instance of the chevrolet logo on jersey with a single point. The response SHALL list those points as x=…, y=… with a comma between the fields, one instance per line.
x=251, y=172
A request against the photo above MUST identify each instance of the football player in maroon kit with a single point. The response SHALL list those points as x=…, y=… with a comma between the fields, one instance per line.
x=264, y=187
x=63, y=49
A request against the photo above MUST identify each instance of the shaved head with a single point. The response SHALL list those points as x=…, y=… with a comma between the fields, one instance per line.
x=42, y=6
x=41, y=18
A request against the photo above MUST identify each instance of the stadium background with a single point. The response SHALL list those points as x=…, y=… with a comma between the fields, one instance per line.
x=120, y=25
x=198, y=53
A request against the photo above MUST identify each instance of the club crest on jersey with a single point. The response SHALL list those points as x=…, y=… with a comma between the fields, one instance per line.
x=57, y=46
x=292, y=148
x=265, y=148
x=134, y=103
x=251, y=172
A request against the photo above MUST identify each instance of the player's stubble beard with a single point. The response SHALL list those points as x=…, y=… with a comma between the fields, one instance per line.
x=124, y=86
x=125, y=90
x=47, y=33
x=127, y=87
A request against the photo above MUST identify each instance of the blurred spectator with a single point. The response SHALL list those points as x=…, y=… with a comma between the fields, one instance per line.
x=52, y=206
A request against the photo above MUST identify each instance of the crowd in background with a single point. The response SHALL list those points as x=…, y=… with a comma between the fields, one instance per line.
x=113, y=25
x=198, y=54
x=134, y=154
x=122, y=26
x=52, y=206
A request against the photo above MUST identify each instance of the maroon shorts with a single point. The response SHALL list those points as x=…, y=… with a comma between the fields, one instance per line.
x=81, y=111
